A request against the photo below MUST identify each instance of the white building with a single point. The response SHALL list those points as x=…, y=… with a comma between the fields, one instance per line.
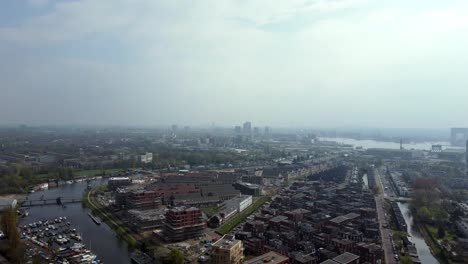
x=146, y=158
x=239, y=203
x=7, y=203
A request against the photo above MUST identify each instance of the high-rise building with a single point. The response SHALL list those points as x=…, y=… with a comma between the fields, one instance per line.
x=247, y=128
x=466, y=152
x=267, y=131
x=458, y=136
x=227, y=250
x=256, y=131
x=183, y=223
x=238, y=129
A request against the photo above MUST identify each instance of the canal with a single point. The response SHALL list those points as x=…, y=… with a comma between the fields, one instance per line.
x=99, y=238
x=424, y=252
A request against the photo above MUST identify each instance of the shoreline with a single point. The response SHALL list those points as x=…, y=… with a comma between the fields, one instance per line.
x=106, y=217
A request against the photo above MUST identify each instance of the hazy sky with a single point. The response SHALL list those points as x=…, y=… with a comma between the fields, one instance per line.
x=382, y=63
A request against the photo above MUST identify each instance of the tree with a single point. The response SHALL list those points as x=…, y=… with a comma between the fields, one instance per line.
x=441, y=232
x=15, y=251
x=175, y=257
x=424, y=213
x=9, y=227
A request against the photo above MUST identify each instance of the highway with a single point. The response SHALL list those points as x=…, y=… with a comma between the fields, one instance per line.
x=385, y=232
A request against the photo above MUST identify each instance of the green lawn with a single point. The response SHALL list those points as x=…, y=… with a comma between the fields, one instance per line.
x=227, y=227
x=210, y=211
x=449, y=236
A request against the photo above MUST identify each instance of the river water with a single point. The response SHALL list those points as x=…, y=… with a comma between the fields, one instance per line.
x=424, y=252
x=99, y=238
x=386, y=145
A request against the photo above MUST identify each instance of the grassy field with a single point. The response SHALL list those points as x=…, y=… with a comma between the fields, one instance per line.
x=227, y=227
x=210, y=211
x=433, y=231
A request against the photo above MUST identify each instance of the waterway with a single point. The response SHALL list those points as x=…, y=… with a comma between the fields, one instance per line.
x=101, y=239
x=424, y=252
x=366, y=144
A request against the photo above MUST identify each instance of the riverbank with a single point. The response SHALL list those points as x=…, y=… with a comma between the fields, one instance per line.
x=417, y=237
x=119, y=228
x=16, y=196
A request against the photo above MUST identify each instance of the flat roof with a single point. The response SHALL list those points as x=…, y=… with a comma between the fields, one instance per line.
x=329, y=261
x=226, y=242
x=270, y=257
x=346, y=258
x=119, y=179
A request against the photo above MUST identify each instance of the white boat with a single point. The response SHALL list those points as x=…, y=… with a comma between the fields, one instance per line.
x=77, y=246
x=88, y=257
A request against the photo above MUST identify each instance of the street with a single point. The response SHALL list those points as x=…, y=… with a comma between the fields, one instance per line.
x=387, y=243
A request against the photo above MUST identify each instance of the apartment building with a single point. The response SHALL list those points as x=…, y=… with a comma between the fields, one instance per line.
x=227, y=250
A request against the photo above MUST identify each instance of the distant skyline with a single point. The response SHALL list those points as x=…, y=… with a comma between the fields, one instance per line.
x=298, y=63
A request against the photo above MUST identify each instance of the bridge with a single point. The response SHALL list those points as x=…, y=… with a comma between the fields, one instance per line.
x=57, y=201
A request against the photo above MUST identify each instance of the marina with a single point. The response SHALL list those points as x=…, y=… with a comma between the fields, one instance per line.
x=100, y=239
x=58, y=241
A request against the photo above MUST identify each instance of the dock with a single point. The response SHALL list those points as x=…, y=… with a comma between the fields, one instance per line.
x=95, y=219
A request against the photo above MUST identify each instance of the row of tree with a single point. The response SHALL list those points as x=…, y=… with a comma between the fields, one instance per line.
x=14, y=249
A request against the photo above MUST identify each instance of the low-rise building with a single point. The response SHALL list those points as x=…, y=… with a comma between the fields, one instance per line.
x=7, y=203
x=269, y=258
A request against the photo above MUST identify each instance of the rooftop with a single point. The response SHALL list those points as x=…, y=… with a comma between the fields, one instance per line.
x=270, y=257
x=346, y=258
x=226, y=242
x=119, y=179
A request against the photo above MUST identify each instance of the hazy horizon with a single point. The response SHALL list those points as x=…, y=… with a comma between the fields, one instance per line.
x=320, y=63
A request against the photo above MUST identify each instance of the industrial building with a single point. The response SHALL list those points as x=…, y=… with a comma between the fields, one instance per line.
x=239, y=203
x=248, y=188
x=118, y=182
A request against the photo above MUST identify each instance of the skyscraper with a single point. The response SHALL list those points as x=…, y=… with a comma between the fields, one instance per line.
x=466, y=152
x=247, y=128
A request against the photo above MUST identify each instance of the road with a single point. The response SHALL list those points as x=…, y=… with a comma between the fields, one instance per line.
x=385, y=232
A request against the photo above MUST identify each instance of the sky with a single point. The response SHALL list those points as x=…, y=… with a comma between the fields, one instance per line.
x=316, y=63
